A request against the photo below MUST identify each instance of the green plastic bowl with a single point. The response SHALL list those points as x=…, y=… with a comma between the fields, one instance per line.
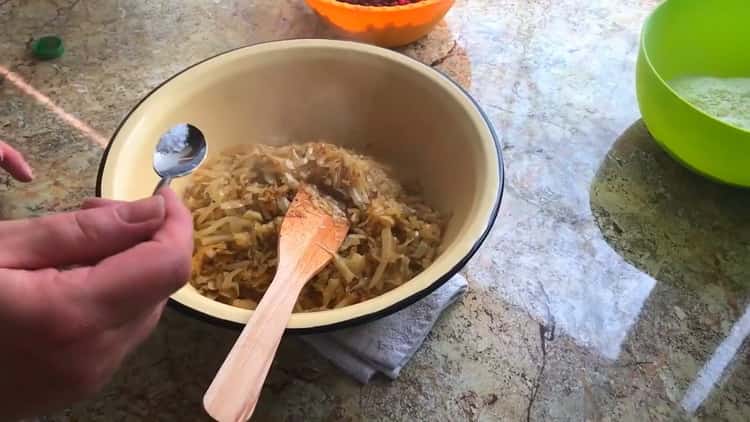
x=695, y=38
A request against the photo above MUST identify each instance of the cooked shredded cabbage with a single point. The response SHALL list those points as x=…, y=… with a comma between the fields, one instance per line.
x=239, y=200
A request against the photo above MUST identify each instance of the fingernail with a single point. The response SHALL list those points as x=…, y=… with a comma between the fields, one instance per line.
x=25, y=174
x=143, y=210
x=28, y=173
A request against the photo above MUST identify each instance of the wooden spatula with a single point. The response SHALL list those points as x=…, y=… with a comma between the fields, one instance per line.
x=312, y=228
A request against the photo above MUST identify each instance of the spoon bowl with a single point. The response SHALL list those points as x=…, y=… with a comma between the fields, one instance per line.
x=179, y=152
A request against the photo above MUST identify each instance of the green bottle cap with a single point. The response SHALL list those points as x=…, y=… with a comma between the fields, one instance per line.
x=47, y=48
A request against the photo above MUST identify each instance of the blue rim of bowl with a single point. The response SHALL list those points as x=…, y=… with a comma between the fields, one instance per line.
x=395, y=307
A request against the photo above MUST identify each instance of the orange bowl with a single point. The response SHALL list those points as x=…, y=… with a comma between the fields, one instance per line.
x=386, y=26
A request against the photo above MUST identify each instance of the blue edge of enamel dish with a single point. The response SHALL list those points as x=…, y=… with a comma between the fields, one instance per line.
x=365, y=318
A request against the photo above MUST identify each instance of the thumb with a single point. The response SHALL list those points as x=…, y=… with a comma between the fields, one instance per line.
x=79, y=237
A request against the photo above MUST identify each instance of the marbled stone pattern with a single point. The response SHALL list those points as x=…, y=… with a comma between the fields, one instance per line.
x=613, y=279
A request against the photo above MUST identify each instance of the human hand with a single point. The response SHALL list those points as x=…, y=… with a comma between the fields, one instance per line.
x=12, y=161
x=65, y=332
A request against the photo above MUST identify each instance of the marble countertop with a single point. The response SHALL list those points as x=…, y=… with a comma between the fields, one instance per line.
x=613, y=287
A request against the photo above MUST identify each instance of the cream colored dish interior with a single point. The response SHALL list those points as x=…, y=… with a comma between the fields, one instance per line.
x=373, y=100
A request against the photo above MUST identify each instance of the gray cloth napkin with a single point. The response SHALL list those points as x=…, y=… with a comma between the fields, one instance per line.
x=386, y=345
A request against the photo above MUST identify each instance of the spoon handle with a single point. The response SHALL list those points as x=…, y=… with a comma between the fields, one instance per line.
x=164, y=182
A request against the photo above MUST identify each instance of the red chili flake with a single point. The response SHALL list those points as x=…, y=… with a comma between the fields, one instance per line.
x=380, y=3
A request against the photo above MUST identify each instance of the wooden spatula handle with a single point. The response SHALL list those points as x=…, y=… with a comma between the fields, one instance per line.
x=236, y=388
x=312, y=227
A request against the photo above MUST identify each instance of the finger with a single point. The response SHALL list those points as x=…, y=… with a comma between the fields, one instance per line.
x=40, y=303
x=114, y=346
x=89, y=203
x=23, y=299
x=128, y=283
x=135, y=332
x=79, y=237
x=12, y=161
x=92, y=358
